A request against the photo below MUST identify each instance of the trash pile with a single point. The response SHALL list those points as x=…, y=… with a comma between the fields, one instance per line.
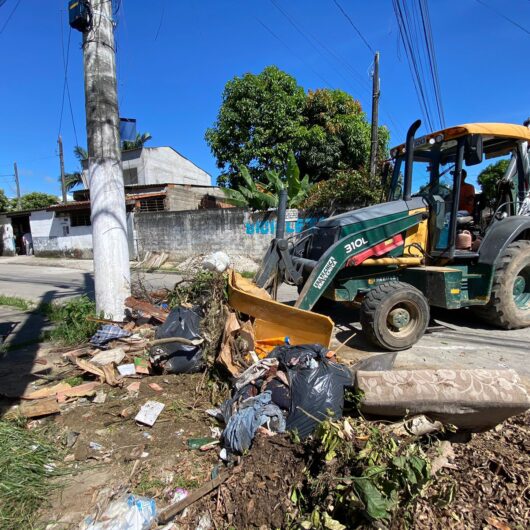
x=372, y=440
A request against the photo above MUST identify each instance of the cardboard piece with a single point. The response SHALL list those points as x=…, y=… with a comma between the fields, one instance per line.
x=127, y=369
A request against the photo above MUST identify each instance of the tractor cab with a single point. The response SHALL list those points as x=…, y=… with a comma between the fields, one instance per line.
x=437, y=171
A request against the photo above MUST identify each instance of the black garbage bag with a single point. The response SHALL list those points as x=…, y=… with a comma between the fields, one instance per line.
x=175, y=357
x=316, y=383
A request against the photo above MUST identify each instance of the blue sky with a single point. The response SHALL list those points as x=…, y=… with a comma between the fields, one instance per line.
x=174, y=58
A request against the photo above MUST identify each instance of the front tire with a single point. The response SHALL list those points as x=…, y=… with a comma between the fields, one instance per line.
x=509, y=304
x=394, y=315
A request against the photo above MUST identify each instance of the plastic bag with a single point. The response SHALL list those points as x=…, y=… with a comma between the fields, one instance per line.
x=126, y=513
x=216, y=262
x=317, y=385
x=175, y=357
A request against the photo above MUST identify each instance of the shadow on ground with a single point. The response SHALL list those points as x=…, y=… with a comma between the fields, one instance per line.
x=22, y=333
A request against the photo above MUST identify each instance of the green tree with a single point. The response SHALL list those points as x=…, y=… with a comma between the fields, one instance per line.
x=258, y=124
x=75, y=179
x=347, y=189
x=35, y=200
x=264, y=117
x=263, y=195
x=4, y=202
x=336, y=135
x=489, y=178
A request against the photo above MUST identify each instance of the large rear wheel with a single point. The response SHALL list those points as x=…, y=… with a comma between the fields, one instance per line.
x=509, y=304
x=394, y=315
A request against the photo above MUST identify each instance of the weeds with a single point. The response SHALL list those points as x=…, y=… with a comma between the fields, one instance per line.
x=362, y=473
x=17, y=302
x=70, y=319
x=27, y=462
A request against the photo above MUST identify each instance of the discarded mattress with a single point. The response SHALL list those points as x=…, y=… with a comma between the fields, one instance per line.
x=474, y=400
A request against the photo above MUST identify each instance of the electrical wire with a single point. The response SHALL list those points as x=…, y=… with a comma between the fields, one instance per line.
x=406, y=38
x=502, y=15
x=301, y=59
x=66, y=87
x=357, y=30
x=9, y=17
x=161, y=20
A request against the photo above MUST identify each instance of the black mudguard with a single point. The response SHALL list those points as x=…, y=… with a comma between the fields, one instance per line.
x=500, y=235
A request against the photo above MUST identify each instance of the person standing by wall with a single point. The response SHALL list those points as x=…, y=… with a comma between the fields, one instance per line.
x=27, y=240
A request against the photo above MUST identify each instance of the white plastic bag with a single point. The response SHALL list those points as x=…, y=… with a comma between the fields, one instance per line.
x=218, y=262
x=126, y=513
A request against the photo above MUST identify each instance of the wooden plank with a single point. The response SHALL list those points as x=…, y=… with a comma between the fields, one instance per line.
x=42, y=407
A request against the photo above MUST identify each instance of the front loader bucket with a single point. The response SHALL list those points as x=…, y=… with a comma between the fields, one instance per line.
x=274, y=319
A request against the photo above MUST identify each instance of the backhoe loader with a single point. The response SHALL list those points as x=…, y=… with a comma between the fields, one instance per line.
x=397, y=259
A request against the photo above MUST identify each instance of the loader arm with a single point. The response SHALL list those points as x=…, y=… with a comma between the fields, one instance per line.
x=351, y=246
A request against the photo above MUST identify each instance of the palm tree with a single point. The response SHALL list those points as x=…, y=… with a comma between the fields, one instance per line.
x=138, y=142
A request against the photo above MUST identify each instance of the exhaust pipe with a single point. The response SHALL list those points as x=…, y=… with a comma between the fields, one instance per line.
x=409, y=160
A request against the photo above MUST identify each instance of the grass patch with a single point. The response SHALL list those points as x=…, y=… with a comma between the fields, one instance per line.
x=70, y=319
x=74, y=381
x=26, y=465
x=15, y=301
x=248, y=274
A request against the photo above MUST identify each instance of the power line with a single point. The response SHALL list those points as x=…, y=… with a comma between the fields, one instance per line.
x=502, y=15
x=9, y=17
x=406, y=38
x=66, y=87
x=293, y=52
x=358, y=31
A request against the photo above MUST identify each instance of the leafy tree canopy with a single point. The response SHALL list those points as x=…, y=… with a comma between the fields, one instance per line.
x=489, y=177
x=258, y=124
x=265, y=117
x=35, y=200
x=347, y=189
x=4, y=202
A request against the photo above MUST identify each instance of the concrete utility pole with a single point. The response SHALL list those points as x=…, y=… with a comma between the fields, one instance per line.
x=17, y=182
x=107, y=195
x=61, y=159
x=375, y=115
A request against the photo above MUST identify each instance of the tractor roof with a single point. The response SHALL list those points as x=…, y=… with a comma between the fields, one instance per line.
x=494, y=130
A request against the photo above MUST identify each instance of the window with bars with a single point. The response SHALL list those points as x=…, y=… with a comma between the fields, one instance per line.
x=152, y=204
x=80, y=219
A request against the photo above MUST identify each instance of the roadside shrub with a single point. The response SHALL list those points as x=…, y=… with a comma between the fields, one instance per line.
x=347, y=189
x=70, y=319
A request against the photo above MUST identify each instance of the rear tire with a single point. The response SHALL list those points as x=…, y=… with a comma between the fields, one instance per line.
x=509, y=304
x=394, y=315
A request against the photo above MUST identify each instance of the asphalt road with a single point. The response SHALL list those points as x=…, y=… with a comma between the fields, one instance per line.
x=461, y=341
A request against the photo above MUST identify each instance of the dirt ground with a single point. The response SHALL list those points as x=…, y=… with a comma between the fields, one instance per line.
x=151, y=461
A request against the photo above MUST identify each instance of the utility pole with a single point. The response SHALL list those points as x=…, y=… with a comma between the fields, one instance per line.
x=61, y=158
x=107, y=195
x=375, y=115
x=17, y=182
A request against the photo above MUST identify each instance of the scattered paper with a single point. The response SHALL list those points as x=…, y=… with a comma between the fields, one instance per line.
x=141, y=365
x=155, y=387
x=127, y=369
x=101, y=397
x=149, y=413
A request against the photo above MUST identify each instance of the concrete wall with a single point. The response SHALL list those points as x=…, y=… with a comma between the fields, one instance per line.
x=190, y=197
x=161, y=165
x=54, y=236
x=233, y=230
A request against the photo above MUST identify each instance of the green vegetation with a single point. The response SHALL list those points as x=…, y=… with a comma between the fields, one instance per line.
x=346, y=189
x=35, y=200
x=15, y=301
x=265, y=117
x=489, y=179
x=70, y=319
x=27, y=462
x=260, y=196
x=4, y=202
x=361, y=473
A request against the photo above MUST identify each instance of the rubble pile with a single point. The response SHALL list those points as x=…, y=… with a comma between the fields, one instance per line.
x=219, y=428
